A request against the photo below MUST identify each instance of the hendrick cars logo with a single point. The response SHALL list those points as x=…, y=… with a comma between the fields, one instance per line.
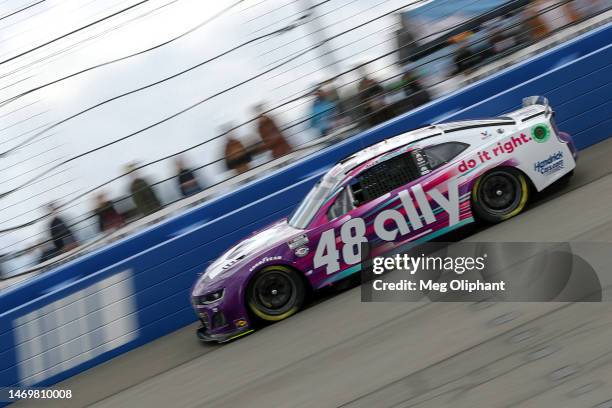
x=552, y=164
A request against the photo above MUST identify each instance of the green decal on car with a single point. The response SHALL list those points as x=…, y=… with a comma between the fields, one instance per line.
x=540, y=132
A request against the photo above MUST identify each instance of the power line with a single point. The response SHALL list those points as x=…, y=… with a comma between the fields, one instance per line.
x=339, y=21
x=34, y=221
x=423, y=63
x=288, y=102
x=289, y=17
x=337, y=76
x=73, y=47
x=196, y=104
x=254, y=5
x=335, y=49
x=284, y=29
x=24, y=133
x=47, y=10
x=24, y=120
x=235, y=127
x=186, y=110
x=38, y=141
x=222, y=158
x=319, y=33
x=33, y=157
x=295, y=96
x=23, y=173
x=93, y=67
x=317, y=17
x=16, y=82
x=437, y=5
x=155, y=124
x=21, y=9
x=133, y=91
x=271, y=11
x=37, y=13
x=21, y=54
x=88, y=217
x=20, y=108
x=63, y=183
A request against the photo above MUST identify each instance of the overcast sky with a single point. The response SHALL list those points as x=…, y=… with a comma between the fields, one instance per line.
x=133, y=31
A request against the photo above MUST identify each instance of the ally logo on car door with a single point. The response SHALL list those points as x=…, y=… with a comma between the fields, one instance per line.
x=403, y=215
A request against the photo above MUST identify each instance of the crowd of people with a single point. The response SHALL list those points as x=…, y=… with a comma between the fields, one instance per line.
x=328, y=112
x=370, y=103
x=61, y=237
x=524, y=25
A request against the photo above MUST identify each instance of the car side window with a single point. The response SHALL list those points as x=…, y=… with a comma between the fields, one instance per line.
x=342, y=205
x=383, y=178
x=441, y=154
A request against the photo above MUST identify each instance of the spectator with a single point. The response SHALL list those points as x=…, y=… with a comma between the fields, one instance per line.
x=333, y=96
x=499, y=37
x=372, y=101
x=62, y=237
x=414, y=92
x=588, y=8
x=237, y=157
x=406, y=39
x=143, y=195
x=2, y=271
x=464, y=59
x=323, y=112
x=108, y=217
x=546, y=16
x=47, y=251
x=187, y=181
x=5, y=244
x=271, y=136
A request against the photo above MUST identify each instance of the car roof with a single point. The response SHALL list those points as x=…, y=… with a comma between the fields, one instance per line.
x=345, y=165
x=459, y=131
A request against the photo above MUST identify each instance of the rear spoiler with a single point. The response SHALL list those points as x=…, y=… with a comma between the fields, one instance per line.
x=533, y=106
x=535, y=100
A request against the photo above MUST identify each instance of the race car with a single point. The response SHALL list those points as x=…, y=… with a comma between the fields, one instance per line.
x=402, y=191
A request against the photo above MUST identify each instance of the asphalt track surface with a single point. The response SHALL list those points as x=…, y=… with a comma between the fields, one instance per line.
x=344, y=353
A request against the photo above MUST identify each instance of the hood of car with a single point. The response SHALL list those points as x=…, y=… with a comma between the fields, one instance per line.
x=245, y=250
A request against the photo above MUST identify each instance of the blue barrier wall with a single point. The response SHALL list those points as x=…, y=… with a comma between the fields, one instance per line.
x=136, y=290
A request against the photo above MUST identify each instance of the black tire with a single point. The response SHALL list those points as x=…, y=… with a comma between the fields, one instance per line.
x=500, y=194
x=565, y=180
x=275, y=293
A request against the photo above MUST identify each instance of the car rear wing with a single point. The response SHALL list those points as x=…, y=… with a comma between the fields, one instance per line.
x=533, y=106
x=535, y=100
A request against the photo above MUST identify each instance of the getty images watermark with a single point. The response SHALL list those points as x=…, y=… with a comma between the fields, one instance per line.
x=467, y=271
x=411, y=264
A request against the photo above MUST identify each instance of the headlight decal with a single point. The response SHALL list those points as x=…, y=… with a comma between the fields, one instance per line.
x=211, y=297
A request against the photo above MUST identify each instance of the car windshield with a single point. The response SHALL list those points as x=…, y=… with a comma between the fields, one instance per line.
x=308, y=208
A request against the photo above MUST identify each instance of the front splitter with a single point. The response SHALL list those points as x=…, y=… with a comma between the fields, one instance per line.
x=221, y=338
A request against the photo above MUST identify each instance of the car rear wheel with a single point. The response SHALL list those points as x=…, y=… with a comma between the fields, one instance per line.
x=275, y=293
x=500, y=194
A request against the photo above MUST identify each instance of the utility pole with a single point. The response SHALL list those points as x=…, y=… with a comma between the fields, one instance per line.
x=318, y=32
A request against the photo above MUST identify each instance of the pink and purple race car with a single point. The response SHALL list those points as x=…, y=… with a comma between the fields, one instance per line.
x=402, y=191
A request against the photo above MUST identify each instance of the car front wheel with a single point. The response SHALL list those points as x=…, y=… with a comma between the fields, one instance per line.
x=275, y=293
